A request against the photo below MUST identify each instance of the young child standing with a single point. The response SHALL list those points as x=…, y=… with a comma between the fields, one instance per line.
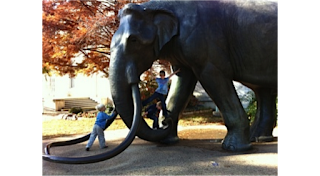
x=161, y=91
x=99, y=127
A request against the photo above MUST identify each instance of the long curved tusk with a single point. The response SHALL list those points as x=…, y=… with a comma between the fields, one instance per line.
x=77, y=140
x=107, y=155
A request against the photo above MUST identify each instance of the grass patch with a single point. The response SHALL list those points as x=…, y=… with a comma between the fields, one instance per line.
x=199, y=119
x=60, y=127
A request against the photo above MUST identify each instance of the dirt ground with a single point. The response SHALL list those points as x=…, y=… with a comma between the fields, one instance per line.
x=199, y=147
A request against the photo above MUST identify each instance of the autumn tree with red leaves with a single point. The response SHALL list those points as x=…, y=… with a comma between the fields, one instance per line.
x=76, y=37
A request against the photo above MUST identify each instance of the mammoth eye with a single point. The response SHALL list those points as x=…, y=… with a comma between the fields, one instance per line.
x=133, y=39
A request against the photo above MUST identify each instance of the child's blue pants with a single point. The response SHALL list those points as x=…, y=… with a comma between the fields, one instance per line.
x=97, y=131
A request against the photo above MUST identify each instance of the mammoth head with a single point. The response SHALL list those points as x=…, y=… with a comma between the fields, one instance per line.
x=144, y=27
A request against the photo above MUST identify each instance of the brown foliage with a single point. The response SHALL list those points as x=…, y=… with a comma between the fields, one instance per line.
x=76, y=37
x=78, y=29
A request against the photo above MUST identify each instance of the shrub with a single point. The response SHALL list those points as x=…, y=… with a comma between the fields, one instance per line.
x=76, y=110
x=252, y=109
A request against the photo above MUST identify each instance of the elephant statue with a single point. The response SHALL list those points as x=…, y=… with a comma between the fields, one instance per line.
x=213, y=42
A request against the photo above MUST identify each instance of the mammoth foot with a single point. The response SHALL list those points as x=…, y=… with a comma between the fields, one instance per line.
x=170, y=140
x=236, y=142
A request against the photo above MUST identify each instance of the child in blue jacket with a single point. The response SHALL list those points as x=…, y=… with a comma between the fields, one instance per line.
x=99, y=127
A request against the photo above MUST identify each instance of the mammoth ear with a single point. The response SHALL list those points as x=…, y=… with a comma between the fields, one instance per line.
x=167, y=27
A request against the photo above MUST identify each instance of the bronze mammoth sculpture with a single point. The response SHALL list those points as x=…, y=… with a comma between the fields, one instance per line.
x=213, y=42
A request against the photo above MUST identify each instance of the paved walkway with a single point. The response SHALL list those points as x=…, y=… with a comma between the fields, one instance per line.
x=188, y=157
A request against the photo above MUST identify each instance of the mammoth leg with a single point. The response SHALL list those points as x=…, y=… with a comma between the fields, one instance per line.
x=182, y=87
x=223, y=93
x=265, y=119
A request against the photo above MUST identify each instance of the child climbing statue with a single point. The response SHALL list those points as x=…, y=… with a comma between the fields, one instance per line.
x=161, y=91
